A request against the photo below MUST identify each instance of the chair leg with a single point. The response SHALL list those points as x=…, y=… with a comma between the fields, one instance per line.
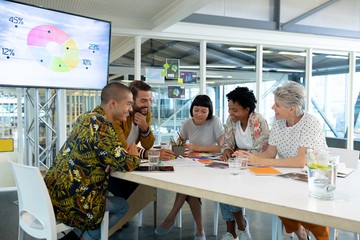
x=332, y=233
x=216, y=217
x=279, y=228
x=356, y=236
x=20, y=233
x=273, y=227
x=155, y=213
x=105, y=226
x=179, y=219
x=140, y=217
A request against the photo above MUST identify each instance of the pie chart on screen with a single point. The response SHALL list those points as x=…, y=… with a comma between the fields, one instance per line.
x=53, y=48
x=176, y=92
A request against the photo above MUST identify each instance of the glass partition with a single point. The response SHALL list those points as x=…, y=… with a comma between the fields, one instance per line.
x=9, y=113
x=228, y=66
x=169, y=110
x=167, y=113
x=279, y=67
x=328, y=89
x=357, y=101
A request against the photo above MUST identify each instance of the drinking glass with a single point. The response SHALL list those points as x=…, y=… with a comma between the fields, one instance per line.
x=243, y=159
x=165, y=145
x=234, y=166
x=153, y=157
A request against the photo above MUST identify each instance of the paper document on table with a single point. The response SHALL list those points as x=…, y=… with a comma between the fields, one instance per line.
x=343, y=172
x=296, y=176
x=185, y=162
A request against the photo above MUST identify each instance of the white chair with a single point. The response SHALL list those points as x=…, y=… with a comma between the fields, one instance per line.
x=349, y=157
x=216, y=218
x=36, y=213
x=351, y=160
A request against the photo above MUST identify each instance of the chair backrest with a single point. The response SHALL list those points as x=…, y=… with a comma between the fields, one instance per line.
x=36, y=213
x=349, y=157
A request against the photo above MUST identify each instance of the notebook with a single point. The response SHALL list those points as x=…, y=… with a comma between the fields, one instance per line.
x=218, y=165
x=296, y=176
x=264, y=171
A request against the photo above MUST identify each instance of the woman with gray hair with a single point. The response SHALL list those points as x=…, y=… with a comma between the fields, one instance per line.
x=293, y=131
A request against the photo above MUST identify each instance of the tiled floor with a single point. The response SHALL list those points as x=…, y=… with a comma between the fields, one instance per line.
x=260, y=223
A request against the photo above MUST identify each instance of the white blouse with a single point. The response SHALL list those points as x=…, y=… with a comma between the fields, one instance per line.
x=306, y=133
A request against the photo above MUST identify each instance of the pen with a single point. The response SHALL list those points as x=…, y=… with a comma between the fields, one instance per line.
x=180, y=136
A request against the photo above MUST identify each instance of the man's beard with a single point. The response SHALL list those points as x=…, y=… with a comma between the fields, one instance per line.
x=137, y=109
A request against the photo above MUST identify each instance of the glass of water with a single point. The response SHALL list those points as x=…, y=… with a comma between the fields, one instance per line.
x=165, y=145
x=234, y=166
x=243, y=159
x=153, y=157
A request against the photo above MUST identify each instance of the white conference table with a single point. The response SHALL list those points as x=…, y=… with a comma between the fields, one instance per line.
x=269, y=194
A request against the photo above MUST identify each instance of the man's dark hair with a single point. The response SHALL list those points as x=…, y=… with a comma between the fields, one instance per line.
x=244, y=97
x=137, y=86
x=113, y=90
x=202, y=101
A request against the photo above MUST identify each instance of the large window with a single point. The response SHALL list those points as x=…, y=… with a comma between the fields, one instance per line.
x=228, y=66
x=328, y=89
x=167, y=114
x=279, y=67
x=8, y=113
x=79, y=102
x=357, y=100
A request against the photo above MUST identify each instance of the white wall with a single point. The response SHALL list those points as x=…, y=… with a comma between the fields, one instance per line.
x=7, y=179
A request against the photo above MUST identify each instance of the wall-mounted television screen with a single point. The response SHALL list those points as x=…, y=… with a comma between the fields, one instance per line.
x=51, y=49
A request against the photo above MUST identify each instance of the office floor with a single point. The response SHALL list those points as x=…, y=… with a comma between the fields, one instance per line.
x=260, y=223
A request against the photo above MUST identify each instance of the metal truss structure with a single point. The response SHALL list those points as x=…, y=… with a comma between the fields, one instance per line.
x=40, y=128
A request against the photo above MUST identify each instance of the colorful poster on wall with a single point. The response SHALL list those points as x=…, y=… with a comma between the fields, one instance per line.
x=154, y=75
x=172, y=68
x=188, y=77
x=176, y=92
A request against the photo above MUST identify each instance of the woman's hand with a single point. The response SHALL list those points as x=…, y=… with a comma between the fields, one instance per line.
x=192, y=147
x=253, y=160
x=226, y=155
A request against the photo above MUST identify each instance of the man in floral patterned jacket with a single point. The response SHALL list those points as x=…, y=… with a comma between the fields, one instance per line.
x=78, y=179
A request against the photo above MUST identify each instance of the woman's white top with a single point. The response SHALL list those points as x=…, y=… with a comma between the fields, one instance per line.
x=306, y=133
x=243, y=138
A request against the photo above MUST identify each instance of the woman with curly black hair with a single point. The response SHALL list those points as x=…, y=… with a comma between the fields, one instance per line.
x=244, y=130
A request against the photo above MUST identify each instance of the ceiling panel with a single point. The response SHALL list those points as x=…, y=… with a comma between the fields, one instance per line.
x=114, y=8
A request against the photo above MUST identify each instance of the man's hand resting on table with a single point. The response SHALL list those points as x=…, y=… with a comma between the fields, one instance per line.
x=166, y=154
x=132, y=150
